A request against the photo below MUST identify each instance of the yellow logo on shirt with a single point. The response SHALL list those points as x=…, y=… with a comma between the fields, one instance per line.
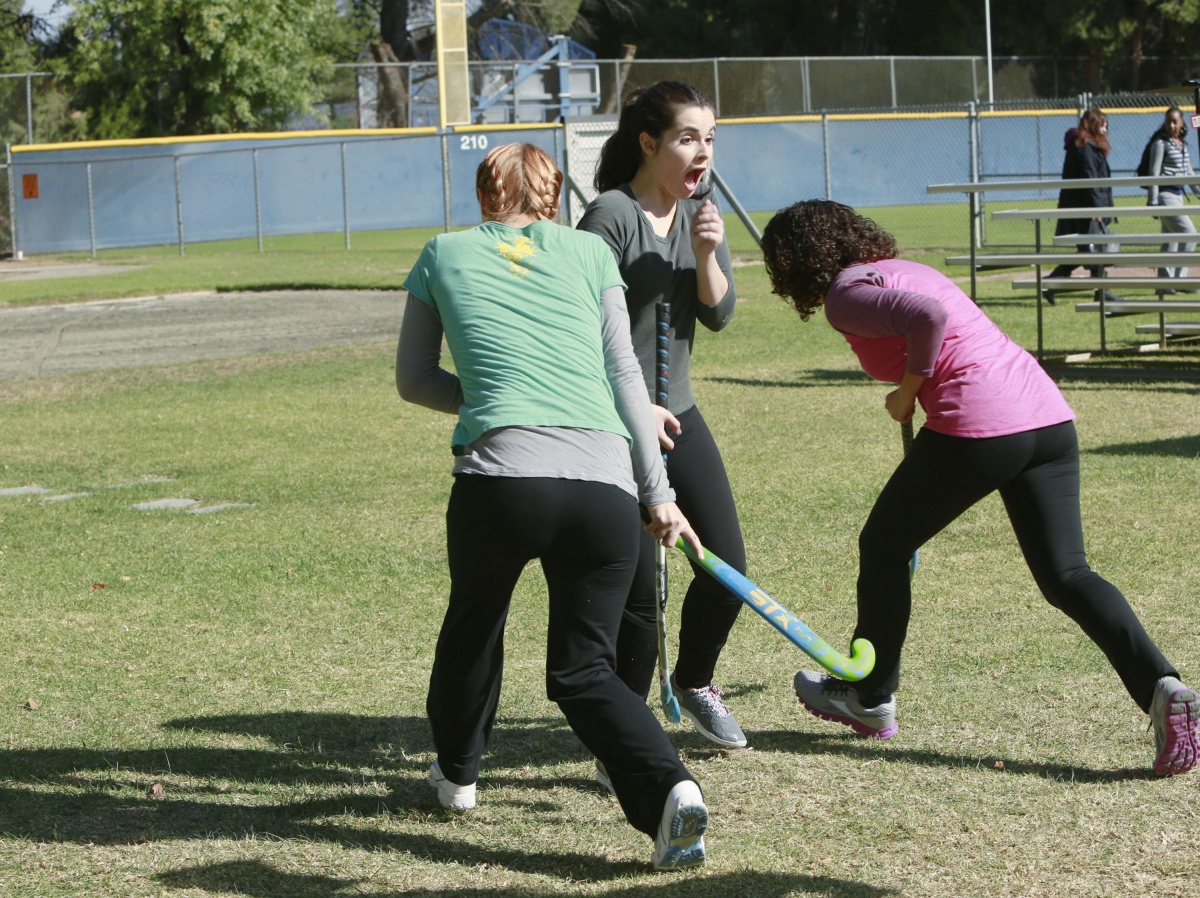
x=519, y=254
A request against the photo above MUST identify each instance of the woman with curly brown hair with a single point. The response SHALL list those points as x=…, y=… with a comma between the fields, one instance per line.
x=994, y=421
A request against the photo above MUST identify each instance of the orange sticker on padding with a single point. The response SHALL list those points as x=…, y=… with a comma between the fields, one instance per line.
x=29, y=187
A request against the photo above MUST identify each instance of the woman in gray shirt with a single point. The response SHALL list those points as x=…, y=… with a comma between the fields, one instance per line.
x=671, y=247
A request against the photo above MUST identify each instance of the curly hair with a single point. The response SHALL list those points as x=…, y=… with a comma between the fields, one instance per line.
x=808, y=244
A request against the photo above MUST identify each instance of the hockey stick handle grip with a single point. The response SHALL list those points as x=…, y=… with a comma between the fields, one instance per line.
x=662, y=353
x=862, y=657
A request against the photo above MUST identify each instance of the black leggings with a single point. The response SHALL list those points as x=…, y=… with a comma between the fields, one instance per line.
x=1037, y=475
x=586, y=537
x=709, y=610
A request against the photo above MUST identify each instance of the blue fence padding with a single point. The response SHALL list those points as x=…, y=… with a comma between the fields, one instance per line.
x=868, y=171
x=58, y=219
x=1016, y=148
x=771, y=166
x=390, y=182
x=395, y=181
x=467, y=151
x=218, y=196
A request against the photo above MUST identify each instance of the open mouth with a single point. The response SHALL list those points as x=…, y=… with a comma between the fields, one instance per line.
x=692, y=179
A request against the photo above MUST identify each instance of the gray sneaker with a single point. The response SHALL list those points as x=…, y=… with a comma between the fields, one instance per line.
x=832, y=699
x=1174, y=712
x=708, y=713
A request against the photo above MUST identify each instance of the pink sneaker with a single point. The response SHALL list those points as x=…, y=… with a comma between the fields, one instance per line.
x=832, y=699
x=1174, y=713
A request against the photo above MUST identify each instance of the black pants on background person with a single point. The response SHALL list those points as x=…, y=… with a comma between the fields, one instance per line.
x=708, y=610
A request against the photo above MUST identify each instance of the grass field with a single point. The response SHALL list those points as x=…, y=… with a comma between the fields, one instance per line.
x=232, y=704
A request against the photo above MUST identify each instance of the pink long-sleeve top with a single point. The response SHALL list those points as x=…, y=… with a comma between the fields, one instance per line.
x=899, y=315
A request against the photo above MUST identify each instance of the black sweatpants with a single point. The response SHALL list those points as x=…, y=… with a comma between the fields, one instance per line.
x=708, y=610
x=586, y=537
x=1037, y=475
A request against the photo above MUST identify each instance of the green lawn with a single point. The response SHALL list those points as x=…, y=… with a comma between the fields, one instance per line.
x=232, y=704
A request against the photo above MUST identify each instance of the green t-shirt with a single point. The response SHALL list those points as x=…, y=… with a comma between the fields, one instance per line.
x=520, y=308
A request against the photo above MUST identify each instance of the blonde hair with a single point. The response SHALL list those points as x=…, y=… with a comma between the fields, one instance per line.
x=518, y=178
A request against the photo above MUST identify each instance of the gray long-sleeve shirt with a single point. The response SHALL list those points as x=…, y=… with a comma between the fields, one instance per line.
x=563, y=452
x=658, y=269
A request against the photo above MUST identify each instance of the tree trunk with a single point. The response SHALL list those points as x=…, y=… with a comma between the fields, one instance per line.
x=391, y=107
x=393, y=26
x=614, y=101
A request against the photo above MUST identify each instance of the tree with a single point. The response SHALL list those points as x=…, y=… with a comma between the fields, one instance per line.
x=18, y=31
x=148, y=68
x=393, y=26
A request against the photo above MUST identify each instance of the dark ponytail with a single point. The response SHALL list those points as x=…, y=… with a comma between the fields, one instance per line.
x=651, y=110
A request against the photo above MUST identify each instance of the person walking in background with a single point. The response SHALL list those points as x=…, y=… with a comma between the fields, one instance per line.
x=1086, y=150
x=671, y=247
x=994, y=422
x=1169, y=156
x=542, y=469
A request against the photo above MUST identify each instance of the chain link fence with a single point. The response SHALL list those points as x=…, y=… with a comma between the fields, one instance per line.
x=869, y=132
x=16, y=126
x=392, y=95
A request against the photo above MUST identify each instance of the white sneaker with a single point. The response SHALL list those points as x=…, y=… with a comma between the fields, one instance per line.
x=603, y=779
x=451, y=795
x=680, y=839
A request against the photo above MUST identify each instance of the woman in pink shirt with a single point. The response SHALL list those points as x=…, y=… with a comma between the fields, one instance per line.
x=995, y=421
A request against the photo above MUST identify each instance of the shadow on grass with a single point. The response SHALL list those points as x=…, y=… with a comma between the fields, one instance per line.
x=256, y=879
x=358, y=822
x=359, y=767
x=302, y=286
x=1183, y=447
x=870, y=750
x=814, y=377
x=1113, y=372
x=338, y=779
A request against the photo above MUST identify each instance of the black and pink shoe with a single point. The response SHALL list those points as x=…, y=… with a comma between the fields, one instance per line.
x=832, y=699
x=1174, y=713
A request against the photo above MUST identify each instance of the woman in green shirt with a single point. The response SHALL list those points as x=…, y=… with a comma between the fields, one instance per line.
x=543, y=469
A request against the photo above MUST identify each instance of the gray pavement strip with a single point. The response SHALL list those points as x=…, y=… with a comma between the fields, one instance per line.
x=165, y=330
x=25, y=271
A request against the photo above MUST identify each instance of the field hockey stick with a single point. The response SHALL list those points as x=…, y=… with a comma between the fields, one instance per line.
x=862, y=653
x=662, y=380
x=906, y=439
